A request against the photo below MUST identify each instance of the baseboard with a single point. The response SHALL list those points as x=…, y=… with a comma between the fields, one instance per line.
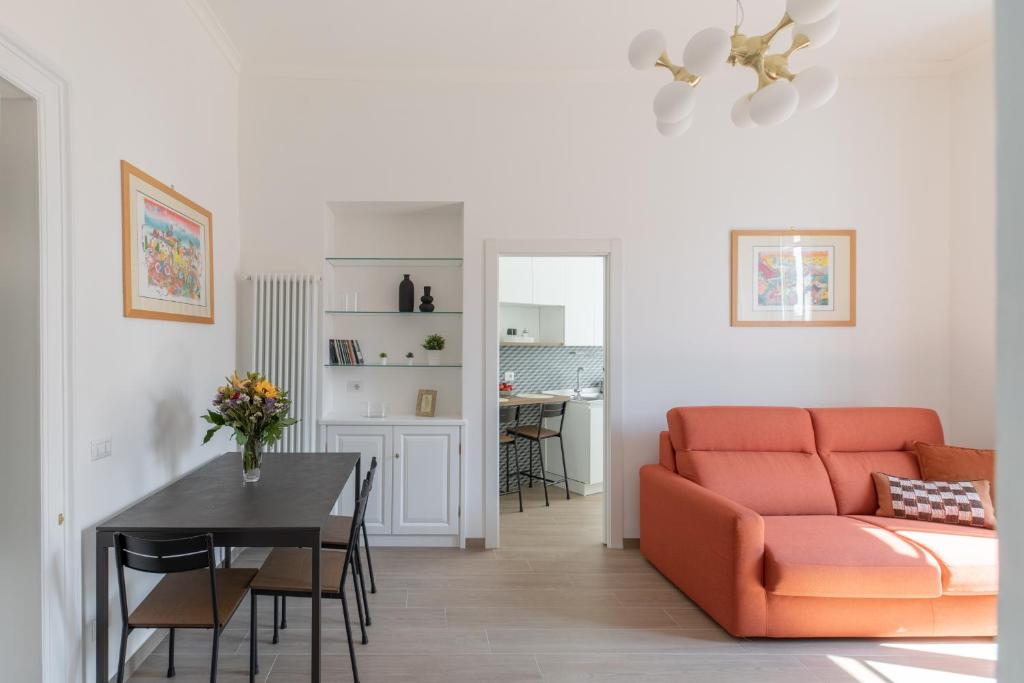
x=631, y=543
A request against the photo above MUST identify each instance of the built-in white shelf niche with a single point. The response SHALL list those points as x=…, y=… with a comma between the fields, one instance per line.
x=368, y=247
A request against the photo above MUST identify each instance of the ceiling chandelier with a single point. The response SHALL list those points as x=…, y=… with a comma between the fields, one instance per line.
x=780, y=92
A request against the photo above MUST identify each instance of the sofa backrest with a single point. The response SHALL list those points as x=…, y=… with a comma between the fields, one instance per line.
x=761, y=457
x=854, y=442
x=666, y=454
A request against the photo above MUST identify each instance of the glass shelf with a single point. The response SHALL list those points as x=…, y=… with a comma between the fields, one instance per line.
x=412, y=313
x=394, y=365
x=395, y=262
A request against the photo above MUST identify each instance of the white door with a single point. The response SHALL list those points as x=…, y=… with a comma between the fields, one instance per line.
x=515, y=280
x=425, y=485
x=369, y=442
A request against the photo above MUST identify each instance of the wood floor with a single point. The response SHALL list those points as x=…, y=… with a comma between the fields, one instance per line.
x=551, y=605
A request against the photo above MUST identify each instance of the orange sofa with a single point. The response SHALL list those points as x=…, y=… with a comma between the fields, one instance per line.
x=765, y=518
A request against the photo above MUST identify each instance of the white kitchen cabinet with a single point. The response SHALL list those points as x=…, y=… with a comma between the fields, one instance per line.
x=584, y=302
x=425, y=497
x=515, y=279
x=583, y=439
x=417, y=496
x=549, y=280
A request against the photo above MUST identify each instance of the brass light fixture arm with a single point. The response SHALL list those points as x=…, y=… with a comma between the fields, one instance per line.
x=679, y=73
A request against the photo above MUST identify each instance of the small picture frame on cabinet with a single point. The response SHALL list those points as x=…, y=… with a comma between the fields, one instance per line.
x=426, y=403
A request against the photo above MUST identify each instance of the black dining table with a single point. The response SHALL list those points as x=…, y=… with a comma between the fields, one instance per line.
x=287, y=507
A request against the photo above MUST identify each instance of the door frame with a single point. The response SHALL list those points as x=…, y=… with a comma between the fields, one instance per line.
x=611, y=250
x=60, y=599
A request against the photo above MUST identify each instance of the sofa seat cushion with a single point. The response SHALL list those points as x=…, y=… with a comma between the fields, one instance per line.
x=967, y=556
x=842, y=557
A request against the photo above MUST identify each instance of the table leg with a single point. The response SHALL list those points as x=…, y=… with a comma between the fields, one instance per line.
x=102, y=621
x=359, y=482
x=227, y=557
x=315, y=626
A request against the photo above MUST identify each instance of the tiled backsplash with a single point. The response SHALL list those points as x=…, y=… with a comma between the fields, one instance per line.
x=546, y=368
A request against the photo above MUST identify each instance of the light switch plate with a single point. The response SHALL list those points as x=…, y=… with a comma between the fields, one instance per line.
x=509, y=376
x=355, y=386
x=101, y=448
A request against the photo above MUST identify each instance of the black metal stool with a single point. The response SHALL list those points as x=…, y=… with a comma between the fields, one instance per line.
x=536, y=434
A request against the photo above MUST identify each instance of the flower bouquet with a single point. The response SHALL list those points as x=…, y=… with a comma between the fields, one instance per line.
x=257, y=412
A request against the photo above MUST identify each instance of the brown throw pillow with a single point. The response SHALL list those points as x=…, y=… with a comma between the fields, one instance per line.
x=953, y=463
x=965, y=503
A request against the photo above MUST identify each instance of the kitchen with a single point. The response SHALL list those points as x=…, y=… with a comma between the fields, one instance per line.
x=551, y=381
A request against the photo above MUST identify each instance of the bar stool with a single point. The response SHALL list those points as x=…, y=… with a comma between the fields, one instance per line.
x=509, y=415
x=536, y=434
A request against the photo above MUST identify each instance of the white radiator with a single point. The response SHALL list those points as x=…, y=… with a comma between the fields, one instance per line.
x=286, y=348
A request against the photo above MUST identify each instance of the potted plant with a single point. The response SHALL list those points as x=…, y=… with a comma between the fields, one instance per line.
x=409, y=358
x=257, y=412
x=433, y=345
x=383, y=358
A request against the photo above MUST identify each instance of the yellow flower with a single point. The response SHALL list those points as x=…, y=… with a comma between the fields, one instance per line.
x=265, y=388
x=238, y=382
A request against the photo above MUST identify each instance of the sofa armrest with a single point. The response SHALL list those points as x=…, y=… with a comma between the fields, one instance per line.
x=709, y=546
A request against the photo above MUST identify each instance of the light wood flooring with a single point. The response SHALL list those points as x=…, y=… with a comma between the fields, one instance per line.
x=551, y=605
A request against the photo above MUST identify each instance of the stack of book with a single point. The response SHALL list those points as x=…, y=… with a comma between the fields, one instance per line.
x=345, y=352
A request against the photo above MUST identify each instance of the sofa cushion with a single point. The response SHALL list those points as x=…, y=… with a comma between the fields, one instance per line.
x=854, y=442
x=842, y=557
x=966, y=503
x=968, y=556
x=761, y=458
x=954, y=463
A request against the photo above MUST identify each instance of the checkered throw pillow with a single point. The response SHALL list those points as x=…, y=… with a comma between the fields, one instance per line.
x=965, y=503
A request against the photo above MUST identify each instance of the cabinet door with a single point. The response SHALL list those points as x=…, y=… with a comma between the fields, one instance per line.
x=515, y=279
x=549, y=281
x=425, y=485
x=369, y=442
x=584, y=301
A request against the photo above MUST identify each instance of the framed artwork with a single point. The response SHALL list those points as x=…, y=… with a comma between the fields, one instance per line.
x=167, y=243
x=426, y=403
x=794, y=278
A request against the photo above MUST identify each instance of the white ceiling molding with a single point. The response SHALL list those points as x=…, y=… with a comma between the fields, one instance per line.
x=212, y=24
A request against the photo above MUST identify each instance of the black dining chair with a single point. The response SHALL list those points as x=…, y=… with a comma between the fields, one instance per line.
x=537, y=434
x=335, y=536
x=286, y=573
x=194, y=593
x=509, y=416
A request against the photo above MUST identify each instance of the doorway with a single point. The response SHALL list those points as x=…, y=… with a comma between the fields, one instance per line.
x=552, y=345
x=40, y=585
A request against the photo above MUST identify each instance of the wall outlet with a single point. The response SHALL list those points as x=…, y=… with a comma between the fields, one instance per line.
x=509, y=376
x=100, y=449
x=355, y=386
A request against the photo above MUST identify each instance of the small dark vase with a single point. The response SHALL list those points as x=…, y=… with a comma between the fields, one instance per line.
x=428, y=301
x=406, y=295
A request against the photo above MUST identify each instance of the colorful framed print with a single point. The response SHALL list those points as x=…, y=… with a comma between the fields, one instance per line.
x=794, y=278
x=167, y=243
x=426, y=403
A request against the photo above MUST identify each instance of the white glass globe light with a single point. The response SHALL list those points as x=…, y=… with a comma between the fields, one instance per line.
x=774, y=103
x=820, y=32
x=741, y=113
x=674, y=102
x=707, y=51
x=646, y=48
x=672, y=129
x=816, y=86
x=810, y=11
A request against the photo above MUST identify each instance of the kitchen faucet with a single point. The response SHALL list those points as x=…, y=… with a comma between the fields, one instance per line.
x=579, y=390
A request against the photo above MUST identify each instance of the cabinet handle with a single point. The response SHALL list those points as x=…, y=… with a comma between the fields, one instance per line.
x=396, y=455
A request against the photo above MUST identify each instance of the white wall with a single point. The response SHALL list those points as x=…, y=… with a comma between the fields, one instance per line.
x=581, y=159
x=1010, y=174
x=972, y=417
x=20, y=645
x=146, y=84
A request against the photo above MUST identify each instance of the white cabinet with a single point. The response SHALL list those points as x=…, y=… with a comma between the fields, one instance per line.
x=584, y=302
x=549, y=281
x=425, y=499
x=583, y=439
x=515, y=279
x=418, y=491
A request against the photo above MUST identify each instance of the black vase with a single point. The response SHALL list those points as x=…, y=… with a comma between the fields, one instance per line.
x=406, y=295
x=428, y=301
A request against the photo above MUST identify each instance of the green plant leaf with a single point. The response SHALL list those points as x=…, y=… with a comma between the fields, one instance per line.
x=209, y=433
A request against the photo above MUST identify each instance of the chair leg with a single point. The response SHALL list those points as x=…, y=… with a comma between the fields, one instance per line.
x=369, y=560
x=252, y=637
x=170, y=658
x=123, y=653
x=565, y=470
x=275, y=638
x=216, y=651
x=362, y=583
x=519, y=475
x=284, y=612
x=348, y=632
x=543, y=471
x=359, y=603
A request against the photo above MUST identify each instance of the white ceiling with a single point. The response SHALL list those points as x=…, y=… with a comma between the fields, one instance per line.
x=325, y=36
